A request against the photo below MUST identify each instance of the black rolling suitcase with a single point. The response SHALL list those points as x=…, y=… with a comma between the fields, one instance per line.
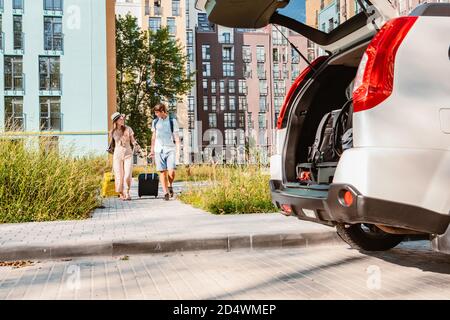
x=148, y=184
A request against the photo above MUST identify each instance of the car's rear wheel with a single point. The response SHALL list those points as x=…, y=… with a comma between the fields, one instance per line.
x=368, y=237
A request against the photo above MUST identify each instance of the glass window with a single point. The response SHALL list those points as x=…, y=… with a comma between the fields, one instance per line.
x=14, y=117
x=18, y=34
x=213, y=86
x=242, y=86
x=205, y=86
x=49, y=73
x=190, y=53
x=262, y=103
x=242, y=103
x=14, y=77
x=155, y=24
x=171, y=26
x=191, y=104
x=213, y=103
x=206, y=69
x=228, y=69
x=260, y=54
x=51, y=117
x=246, y=53
x=18, y=4
x=176, y=10
x=205, y=103
x=231, y=86
x=206, y=52
x=222, y=102
x=261, y=70
x=232, y=103
x=189, y=36
x=227, y=53
x=222, y=86
x=247, y=70
x=262, y=123
x=229, y=120
x=241, y=120
x=263, y=87
x=53, y=5
x=212, y=120
x=53, y=36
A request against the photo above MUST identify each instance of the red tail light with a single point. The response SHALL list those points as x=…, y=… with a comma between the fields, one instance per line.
x=375, y=77
x=294, y=87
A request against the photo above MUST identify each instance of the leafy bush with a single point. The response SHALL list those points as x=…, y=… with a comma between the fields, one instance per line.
x=232, y=190
x=38, y=185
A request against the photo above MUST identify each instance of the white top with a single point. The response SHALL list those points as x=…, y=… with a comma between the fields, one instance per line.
x=164, y=137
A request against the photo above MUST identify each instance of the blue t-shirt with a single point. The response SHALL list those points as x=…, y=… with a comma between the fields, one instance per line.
x=164, y=137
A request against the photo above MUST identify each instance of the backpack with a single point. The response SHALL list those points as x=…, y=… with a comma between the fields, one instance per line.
x=323, y=148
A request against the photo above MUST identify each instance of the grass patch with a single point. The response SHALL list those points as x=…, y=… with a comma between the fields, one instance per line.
x=232, y=190
x=190, y=173
x=47, y=186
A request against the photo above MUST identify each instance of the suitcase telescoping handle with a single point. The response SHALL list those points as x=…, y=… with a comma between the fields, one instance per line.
x=149, y=163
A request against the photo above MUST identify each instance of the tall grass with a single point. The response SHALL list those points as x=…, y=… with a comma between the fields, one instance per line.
x=38, y=185
x=232, y=190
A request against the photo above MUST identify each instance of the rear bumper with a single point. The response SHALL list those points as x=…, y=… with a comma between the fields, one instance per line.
x=328, y=209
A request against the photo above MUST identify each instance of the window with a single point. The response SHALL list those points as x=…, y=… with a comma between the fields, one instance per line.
x=206, y=53
x=263, y=87
x=205, y=86
x=232, y=103
x=205, y=103
x=212, y=120
x=246, y=53
x=53, y=5
x=241, y=120
x=158, y=10
x=155, y=24
x=227, y=53
x=260, y=54
x=17, y=4
x=222, y=102
x=262, y=103
x=190, y=53
x=295, y=56
x=191, y=120
x=18, y=34
x=229, y=120
x=247, y=70
x=262, y=121
x=231, y=86
x=230, y=137
x=51, y=117
x=14, y=77
x=213, y=103
x=295, y=70
x=228, y=69
x=171, y=26
x=189, y=36
x=249, y=120
x=222, y=86
x=225, y=38
x=176, y=10
x=213, y=86
x=206, y=69
x=191, y=104
x=242, y=103
x=14, y=117
x=278, y=101
x=261, y=70
x=280, y=89
x=242, y=86
x=276, y=71
x=49, y=74
x=53, y=36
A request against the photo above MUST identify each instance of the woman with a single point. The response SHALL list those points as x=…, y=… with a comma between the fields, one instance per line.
x=123, y=155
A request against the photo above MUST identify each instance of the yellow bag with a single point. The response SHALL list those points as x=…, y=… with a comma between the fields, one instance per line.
x=108, y=186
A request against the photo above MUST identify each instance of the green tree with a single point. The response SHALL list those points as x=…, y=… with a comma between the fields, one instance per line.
x=151, y=68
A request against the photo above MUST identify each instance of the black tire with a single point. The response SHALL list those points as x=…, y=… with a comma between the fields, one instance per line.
x=368, y=237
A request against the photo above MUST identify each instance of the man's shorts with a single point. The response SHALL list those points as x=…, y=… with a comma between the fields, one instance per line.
x=165, y=160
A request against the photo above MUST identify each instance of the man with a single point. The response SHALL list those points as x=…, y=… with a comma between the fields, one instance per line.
x=165, y=148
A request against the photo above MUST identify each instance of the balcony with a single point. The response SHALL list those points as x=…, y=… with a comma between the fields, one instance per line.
x=19, y=42
x=15, y=122
x=51, y=122
x=54, y=45
x=14, y=85
x=50, y=85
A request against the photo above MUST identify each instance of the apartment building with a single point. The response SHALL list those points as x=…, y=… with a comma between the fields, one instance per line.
x=131, y=7
x=241, y=85
x=57, y=58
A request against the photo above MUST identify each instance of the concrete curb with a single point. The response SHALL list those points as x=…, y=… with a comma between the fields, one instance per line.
x=120, y=248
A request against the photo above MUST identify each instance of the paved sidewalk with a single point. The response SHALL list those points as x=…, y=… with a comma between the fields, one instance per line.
x=151, y=225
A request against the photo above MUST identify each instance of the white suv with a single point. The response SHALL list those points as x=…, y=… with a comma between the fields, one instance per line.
x=364, y=133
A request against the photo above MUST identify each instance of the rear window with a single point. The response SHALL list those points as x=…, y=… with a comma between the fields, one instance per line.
x=324, y=15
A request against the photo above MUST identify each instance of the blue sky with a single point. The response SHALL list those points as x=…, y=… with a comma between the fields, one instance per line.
x=295, y=9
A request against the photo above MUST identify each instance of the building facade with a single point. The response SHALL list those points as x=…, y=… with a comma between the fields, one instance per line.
x=132, y=7
x=57, y=60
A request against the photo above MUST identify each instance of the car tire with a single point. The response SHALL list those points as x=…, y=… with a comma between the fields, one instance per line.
x=367, y=237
